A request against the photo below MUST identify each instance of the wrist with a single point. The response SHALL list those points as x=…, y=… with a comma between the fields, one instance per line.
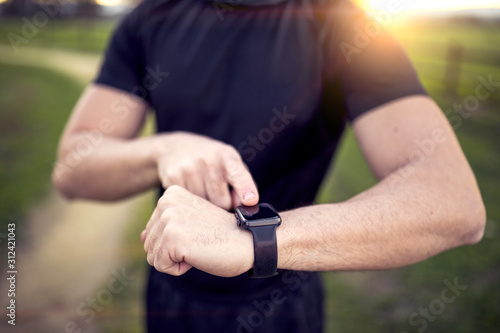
x=284, y=241
x=261, y=221
x=164, y=144
x=159, y=144
x=244, y=244
x=161, y=150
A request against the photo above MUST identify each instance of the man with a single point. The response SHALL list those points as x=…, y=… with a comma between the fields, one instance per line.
x=250, y=100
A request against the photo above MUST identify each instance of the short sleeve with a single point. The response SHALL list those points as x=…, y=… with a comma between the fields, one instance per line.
x=369, y=64
x=123, y=67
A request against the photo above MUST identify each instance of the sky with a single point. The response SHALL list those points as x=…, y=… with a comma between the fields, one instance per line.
x=431, y=5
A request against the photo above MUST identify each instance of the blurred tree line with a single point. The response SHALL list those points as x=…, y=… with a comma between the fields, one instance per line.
x=59, y=8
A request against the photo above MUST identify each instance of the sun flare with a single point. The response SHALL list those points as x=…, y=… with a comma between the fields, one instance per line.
x=431, y=5
x=108, y=2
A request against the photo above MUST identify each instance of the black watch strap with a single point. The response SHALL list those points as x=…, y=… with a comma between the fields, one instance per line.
x=265, y=251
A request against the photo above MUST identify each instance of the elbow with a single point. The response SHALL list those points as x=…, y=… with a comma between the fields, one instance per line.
x=478, y=223
x=63, y=183
x=71, y=185
x=63, y=172
x=475, y=221
x=74, y=183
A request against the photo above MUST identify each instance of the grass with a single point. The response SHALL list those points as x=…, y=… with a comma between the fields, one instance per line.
x=79, y=35
x=356, y=302
x=34, y=110
x=35, y=106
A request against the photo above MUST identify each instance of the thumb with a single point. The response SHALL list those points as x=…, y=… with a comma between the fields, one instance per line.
x=143, y=236
x=241, y=181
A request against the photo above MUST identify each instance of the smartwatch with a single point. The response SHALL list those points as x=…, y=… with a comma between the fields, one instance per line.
x=262, y=221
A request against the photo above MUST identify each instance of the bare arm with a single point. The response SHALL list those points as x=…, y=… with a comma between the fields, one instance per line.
x=100, y=156
x=96, y=149
x=427, y=201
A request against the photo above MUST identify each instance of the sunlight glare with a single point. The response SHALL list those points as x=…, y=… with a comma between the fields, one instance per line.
x=109, y=2
x=432, y=5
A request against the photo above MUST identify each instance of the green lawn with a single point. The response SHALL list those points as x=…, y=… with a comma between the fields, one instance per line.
x=79, y=35
x=34, y=110
x=35, y=106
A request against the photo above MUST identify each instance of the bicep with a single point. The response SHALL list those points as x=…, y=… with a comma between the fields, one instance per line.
x=106, y=111
x=410, y=130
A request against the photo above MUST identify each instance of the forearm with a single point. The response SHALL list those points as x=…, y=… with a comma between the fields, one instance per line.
x=390, y=225
x=106, y=169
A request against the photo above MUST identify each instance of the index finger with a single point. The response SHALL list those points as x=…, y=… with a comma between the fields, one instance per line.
x=241, y=180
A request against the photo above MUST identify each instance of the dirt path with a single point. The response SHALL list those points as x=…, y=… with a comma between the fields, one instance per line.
x=79, y=66
x=71, y=249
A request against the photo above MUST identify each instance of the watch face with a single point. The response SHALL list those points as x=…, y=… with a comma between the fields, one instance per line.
x=261, y=214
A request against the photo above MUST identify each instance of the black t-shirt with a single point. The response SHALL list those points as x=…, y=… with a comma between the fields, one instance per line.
x=276, y=81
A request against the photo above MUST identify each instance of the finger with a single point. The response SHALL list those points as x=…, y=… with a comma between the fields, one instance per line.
x=235, y=199
x=193, y=180
x=176, y=269
x=217, y=189
x=241, y=180
x=151, y=230
x=166, y=177
x=149, y=224
x=161, y=259
x=148, y=228
x=165, y=263
x=182, y=268
x=173, y=176
x=153, y=237
x=153, y=241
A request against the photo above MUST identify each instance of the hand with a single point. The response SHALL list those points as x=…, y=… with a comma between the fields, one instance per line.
x=205, y=167
x=187, y=231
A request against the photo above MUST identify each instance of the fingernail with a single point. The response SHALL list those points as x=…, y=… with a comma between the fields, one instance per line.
x=249, y=196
